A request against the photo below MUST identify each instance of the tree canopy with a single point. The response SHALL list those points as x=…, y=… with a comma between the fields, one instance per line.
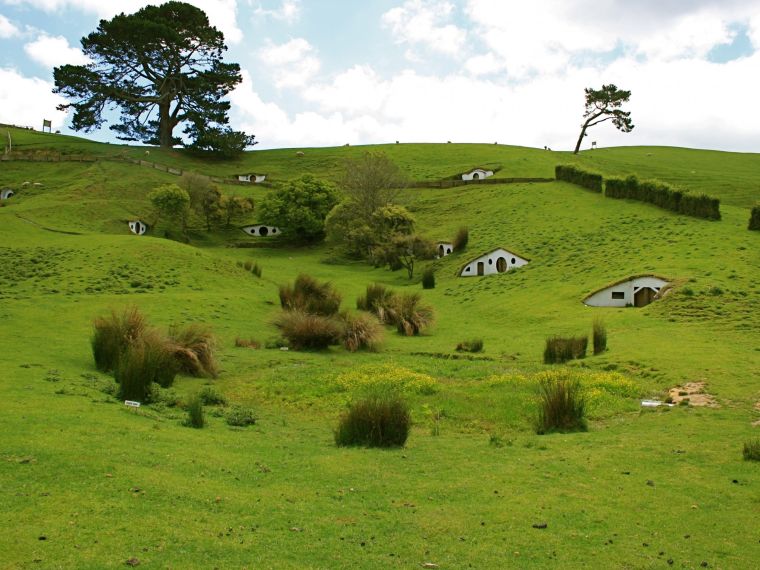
x=605, y=104
x=161, y=67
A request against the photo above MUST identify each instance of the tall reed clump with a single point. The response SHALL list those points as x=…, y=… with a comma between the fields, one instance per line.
x=599, y=336
x=361, y=332
x=380, y=420
x=113, y=333
x=428, y=278
x=751, y=451
x=578, y=176
x=561, y=349
x=410, y=315
x=754, y=219
x=561, y=406
x=194, y=346
x=310, y=296
x=145, y=360
x=461, y=238
x=195, y=415
x=472, y=345
x=378, y=299
x=305, y=331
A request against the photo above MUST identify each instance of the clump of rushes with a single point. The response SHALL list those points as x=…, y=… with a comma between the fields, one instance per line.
x=376, y=421
x=428, y=278
x=379, y=300
x=561, y=349
x=113, y=333
x=562, y=406
x=305, y=331
x=195, y=416
x=310, y=296
x=472, y=345
x=194, y=347
x=410, y=315
x=146, y=360
x=461, y=238
x=361, y=331
x=600, y=336
x=751, y=451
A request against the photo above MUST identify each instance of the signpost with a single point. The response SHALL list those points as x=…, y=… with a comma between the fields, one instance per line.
x=47, y=124
x=131, y=403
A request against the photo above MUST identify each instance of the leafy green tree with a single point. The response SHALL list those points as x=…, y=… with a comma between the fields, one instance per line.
x=171, y=202
x=403, y=251
x=161, y=67
x=300, y=208
x=235, y=208
x=370, y=182
x=605, y=104
x=205, y=198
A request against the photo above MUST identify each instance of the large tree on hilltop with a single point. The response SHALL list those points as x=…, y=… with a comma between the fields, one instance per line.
x=162, y=67
x=605, y=104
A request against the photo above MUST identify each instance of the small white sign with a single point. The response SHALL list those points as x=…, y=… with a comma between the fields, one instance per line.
x=131, y=404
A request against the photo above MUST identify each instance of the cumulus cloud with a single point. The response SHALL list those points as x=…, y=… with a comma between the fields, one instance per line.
x=221, y=13
x=288, y=11
x=292, y=64
x=7, y=29
x=52, y=51
x=423, y=22
x=25, y=101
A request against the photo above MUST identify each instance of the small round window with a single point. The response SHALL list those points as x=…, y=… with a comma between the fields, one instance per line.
x=513, y=261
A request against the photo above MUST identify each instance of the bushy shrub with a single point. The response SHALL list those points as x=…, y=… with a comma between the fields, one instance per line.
x=361, y=331
x=574, y=175
x=410, y=315
x=146, y=360
x=561, y=407
x=240, y=416
x=428, y=278
x=461, y=238
x=379, y=300
x=754, y=219
x=561, y=349
x=113, y=333
x=195, y=416
x=305, y=331
x=310, y=296
x=194, y=347
x=751, y=451
x=472, y=345
x=378, y=421
x=210, y=396
x=599, y=337
x=621, y=187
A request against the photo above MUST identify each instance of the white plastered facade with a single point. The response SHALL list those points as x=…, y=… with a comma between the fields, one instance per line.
x=477, y=174
x=261, y=230
x=138, y=227
x=497, y=261
x=635, y=292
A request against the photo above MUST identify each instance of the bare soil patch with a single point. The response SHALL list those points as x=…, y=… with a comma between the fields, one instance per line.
x=694, y=393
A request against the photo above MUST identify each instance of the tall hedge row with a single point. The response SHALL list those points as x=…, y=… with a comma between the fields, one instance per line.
x=575, y=175
x=754, y=219
x=664, y=196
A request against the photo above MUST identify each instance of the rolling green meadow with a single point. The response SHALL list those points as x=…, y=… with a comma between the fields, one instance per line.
x=88, y=482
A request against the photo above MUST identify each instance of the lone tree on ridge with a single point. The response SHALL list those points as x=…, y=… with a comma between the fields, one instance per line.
x=162, y=67
x=602, y=105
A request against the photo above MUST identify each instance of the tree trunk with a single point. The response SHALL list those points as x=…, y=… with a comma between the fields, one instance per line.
x=580, y=138
x=164, y=125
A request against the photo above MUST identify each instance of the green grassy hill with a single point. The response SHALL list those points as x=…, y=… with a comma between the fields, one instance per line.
x=90, y=484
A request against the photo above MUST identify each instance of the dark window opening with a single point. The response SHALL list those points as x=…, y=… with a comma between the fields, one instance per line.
x=274, y=230
x=490, y=262
x=448, y=250
x=440, y=250
x=514, y=261
x=618, y=295
x=263, y=231
x=467, y=270
x=501, y=265
x=475, y=176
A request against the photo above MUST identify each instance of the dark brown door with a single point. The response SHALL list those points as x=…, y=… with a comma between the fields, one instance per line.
x=643, y=297
x=481, y=268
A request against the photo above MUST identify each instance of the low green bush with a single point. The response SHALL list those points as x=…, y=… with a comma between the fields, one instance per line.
x=561, y=349
x=376, y=421
x=195, y=416
x=561, y=406
x=754, y=219
x=428, y=278
x=240, y=416
x=210, y=396
x=305, y=331
x=472, y=345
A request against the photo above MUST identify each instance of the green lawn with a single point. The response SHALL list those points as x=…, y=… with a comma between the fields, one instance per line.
x=103, y=483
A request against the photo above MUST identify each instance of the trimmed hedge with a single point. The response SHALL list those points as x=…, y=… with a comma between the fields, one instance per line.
x=580, y=177
x=664, y=196
x=754, y=219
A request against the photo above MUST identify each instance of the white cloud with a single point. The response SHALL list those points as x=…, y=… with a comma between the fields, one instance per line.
x=292, y=64
x=221, y=13
x=54, y=51
x=422, y=22
x=7, y=29
x=25, y=101
x=289, y=11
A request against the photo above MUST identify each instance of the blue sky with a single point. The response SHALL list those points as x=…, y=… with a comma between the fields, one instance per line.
x=330, y=72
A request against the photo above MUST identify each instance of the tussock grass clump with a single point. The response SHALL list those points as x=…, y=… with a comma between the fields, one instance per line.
x=561, y=349
x=240, y=416
x=195, y=416
x=472, y=345
x=428, y=278
x=379, y=300
x=561, y=406
x=147, y=359
x=461, y=238
x=599, y=336
x=247, y=343
x=751, y=451
x=305, y=331
x=361, y=331
x=754, y=219
x=113, y=333
x=376, y=421
x=410, y=315
x=194, y=347
x=310, y=296
x=256, y=270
